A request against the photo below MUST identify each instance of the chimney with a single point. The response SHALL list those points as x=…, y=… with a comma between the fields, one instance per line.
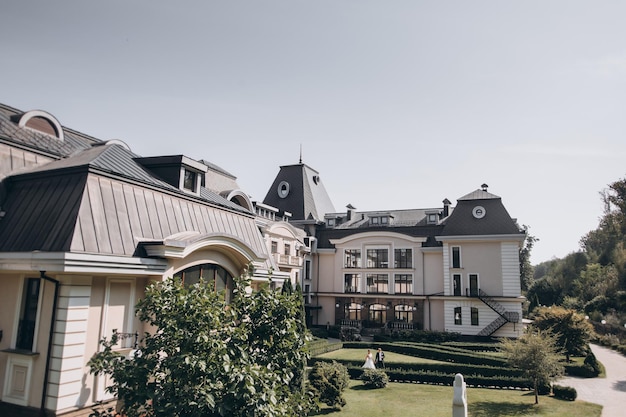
x=351, y=210
x=446, y=208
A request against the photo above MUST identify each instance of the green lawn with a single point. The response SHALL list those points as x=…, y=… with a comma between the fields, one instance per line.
x=359, y=354
x=413, y=400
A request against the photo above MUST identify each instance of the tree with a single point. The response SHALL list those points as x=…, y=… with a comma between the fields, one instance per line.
x=536, y=354
x=526, y=268
x=329, y=380
x=210, y=358
x=571, y=330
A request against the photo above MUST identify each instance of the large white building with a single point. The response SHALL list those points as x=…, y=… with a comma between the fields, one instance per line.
x=449, y=268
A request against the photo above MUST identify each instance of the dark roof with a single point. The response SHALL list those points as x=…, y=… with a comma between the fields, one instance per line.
x=307, y=198
x=324, y=235
x=496, y=220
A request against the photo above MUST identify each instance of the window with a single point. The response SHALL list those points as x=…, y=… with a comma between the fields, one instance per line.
x=384, y=220
x=473, y=285
x=351, y=282
x=212, y=274
x=474, y=316
x=274, y=247
x=287, y=249
x=403, y=284
x=403, y=258
x=458, y=320
x=28, y=314
x=377, y=283
x=330, y=222
x=375, y=220
x=432, y=218
x=352, y=258
x=307, y=269
x=456, y=284
x=377, y=258
x=403, y=312
x=189, y=182
x=456, y=257
x=353, y=311
x=378, y=313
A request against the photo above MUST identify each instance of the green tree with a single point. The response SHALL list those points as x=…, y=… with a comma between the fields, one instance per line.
x=526, y=268
x=571, y=330
x=536, y=354
x=209, y=358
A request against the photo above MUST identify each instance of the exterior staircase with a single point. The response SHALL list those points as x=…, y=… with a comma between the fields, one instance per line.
x=504, y=316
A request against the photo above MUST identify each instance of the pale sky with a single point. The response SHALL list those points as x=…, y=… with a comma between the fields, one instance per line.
x=398, y=104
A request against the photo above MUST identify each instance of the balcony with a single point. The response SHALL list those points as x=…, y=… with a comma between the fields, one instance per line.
x=287, y=260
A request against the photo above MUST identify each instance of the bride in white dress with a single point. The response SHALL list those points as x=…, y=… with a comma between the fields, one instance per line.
x=369, y=363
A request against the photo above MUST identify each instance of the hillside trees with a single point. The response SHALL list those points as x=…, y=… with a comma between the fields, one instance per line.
x=209, y=358
x=571, y=330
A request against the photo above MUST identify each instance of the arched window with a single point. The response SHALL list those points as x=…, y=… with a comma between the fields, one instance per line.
x=378, y=313
x=403, y=312
x=213, y=274
x=353, y=311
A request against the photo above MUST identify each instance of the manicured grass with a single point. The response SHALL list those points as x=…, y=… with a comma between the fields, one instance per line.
x=359, y=354
x=412, y=400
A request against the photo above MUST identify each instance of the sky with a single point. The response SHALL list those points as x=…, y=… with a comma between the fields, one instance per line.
x=397, y=104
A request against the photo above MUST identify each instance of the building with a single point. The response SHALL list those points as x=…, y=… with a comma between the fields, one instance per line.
x=85, y=226
x=446, y=268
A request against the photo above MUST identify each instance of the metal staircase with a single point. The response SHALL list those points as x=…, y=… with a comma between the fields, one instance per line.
x=503, y=315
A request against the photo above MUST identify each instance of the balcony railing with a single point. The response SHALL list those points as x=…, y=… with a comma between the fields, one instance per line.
x=288, y=260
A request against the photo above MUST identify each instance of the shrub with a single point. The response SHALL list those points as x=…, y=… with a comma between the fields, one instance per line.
x=374, y=378
x=564, y=393
x=328, y=381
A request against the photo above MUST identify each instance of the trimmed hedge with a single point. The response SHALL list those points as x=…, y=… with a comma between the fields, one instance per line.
x=320, y=346
x=436, y=352
x=564, y=393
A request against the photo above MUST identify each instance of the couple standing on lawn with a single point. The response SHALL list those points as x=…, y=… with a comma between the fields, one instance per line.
x=378, y=362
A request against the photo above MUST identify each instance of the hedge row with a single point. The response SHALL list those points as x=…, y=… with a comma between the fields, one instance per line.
x=321, y=346
x=439, y=353
x=446, y=368
x=442, y=378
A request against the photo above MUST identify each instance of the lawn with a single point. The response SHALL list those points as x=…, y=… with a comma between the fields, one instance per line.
x=412, y=400
x=359, y=354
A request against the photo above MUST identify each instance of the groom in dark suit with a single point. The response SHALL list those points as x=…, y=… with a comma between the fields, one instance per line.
x=380, y=359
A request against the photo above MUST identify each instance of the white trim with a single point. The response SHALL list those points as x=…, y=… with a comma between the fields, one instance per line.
x=379, y=235
x=44, y=115
x=80, y=263
x=479, y=238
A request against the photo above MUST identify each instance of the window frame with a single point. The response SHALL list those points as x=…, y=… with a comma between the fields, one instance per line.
x=352, y=258
x=401, y=281
x=458, y=316
x=456, y=259
x=374, y=257
x=474, y=316
x=353, y=287
x=377, y=283
x=26, y=303
x=401, y=261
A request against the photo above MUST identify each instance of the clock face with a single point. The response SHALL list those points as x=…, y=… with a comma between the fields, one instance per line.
x=479, y=212
x=283, y=189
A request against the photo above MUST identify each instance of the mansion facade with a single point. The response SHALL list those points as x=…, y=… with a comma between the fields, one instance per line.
x=453, y=269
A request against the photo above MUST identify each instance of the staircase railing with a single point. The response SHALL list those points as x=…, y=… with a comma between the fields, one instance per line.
x=504, y=316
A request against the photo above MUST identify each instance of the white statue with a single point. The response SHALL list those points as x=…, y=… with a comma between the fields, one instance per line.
x=459, y=402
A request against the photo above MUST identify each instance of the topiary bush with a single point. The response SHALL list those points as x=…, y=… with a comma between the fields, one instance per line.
x=328, y=381
x=564, y=393
x=374, y=378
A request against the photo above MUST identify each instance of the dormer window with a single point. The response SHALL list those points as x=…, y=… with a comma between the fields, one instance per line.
x=330, y=222
x=432, y=216
x=40, y=121
x=190, y=180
